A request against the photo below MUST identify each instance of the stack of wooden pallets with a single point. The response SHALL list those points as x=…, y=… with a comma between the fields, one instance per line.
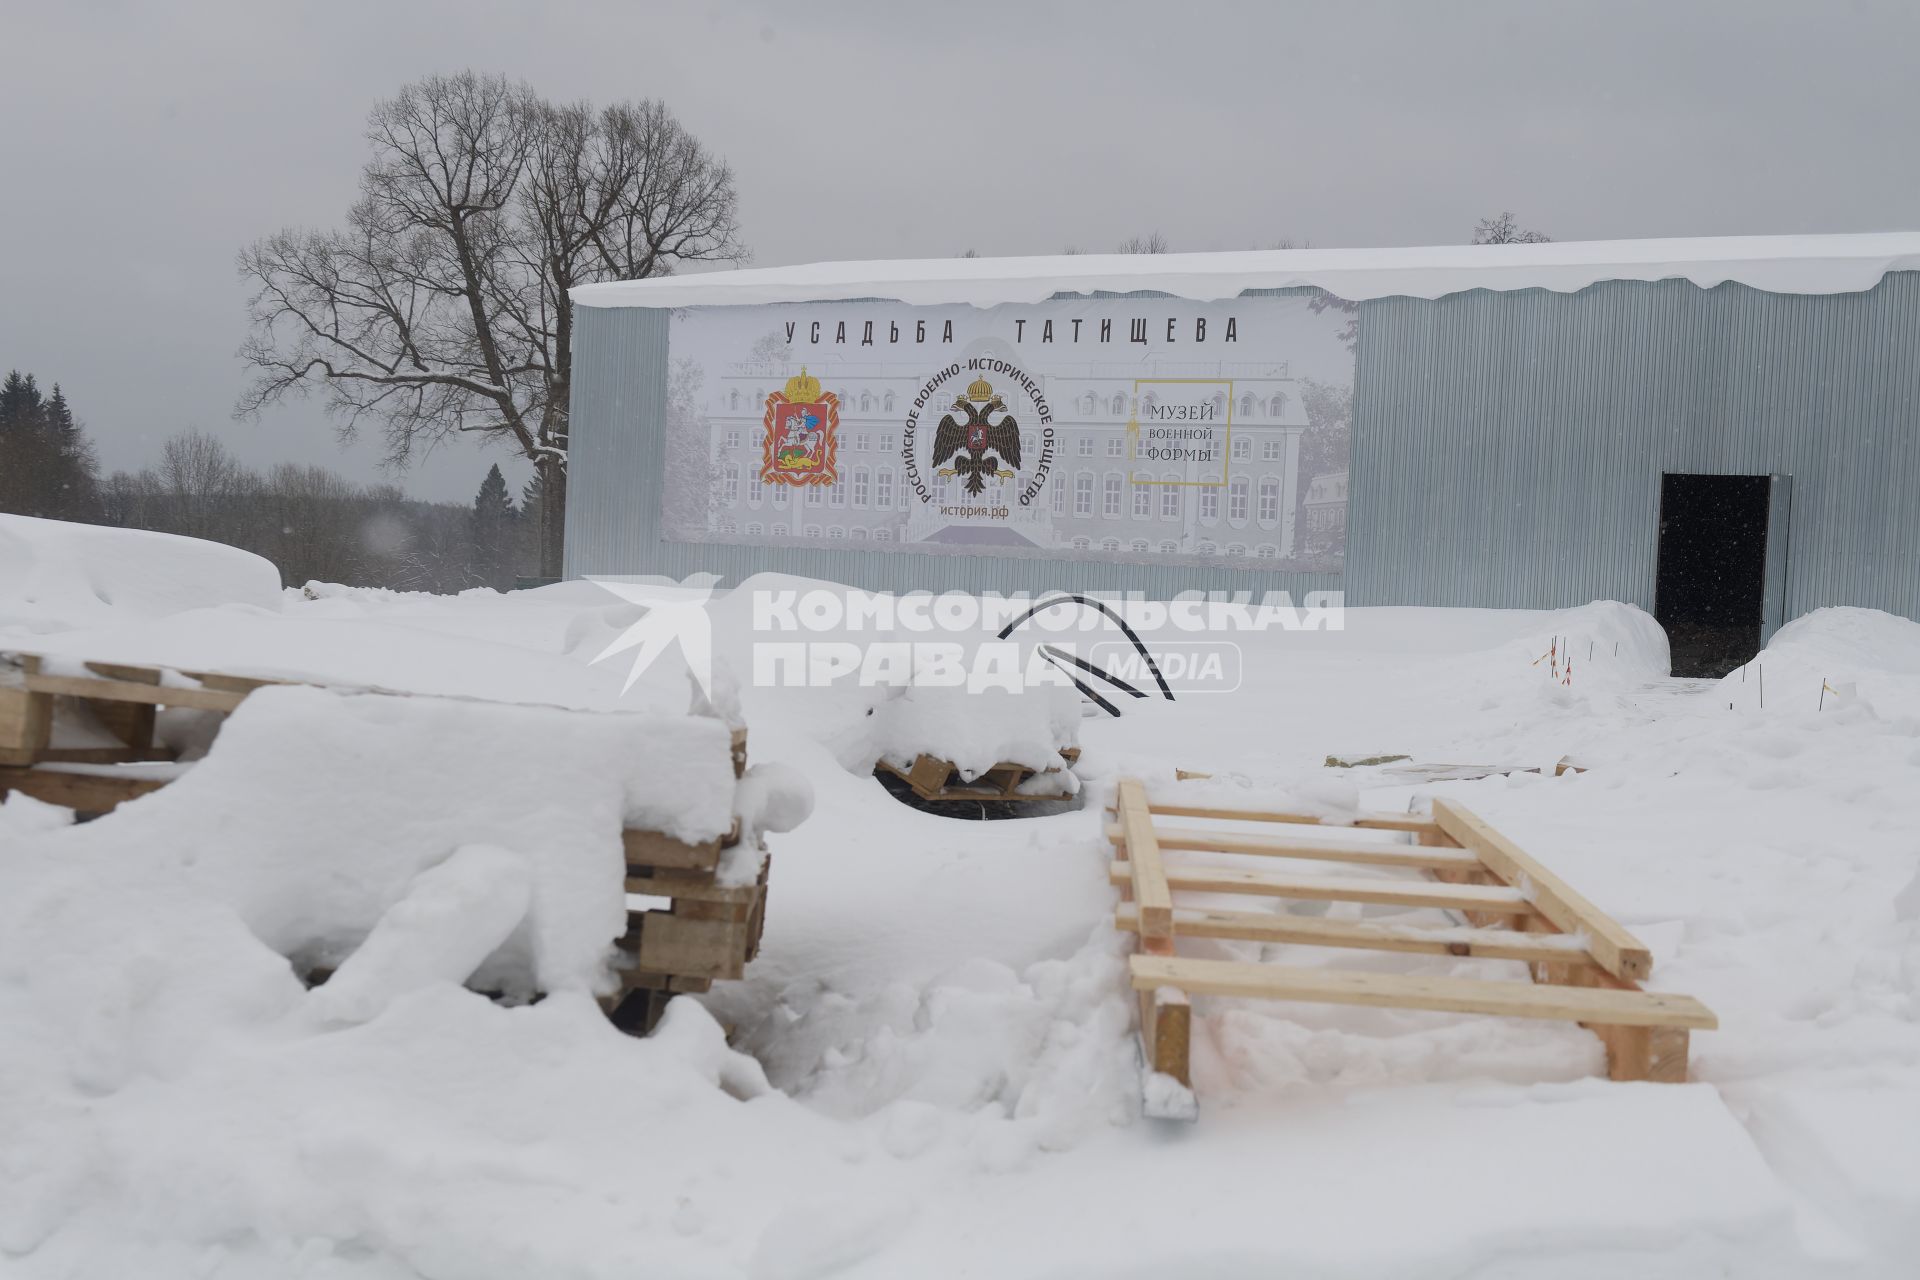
x=689, y=926
x=1585, y=967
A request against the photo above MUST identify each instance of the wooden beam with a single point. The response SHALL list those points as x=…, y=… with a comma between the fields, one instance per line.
x=1614, y=949
x=1405, y=991
x=692, y=947
x=928, y=775
x=130, y=691
x=1148, y=878
x=1371, y=821
x=1377, y=855
x=83, y=792
x=1403, y=893
x=1658, y=1054
x=652, y=849
x=131, y=722
x=232, y=684
x=26, y=719
x=696, y=886
x=1314, y=931
x=107, y=755
x=120, y=671
x=1166, y=1033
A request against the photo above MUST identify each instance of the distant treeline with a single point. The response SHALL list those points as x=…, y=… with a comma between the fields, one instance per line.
x=314, y=524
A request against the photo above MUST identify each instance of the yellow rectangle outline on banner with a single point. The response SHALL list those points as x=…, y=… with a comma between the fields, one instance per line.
x=1226, y=460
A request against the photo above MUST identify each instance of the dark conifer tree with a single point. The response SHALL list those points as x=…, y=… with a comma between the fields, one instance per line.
x=493, y=531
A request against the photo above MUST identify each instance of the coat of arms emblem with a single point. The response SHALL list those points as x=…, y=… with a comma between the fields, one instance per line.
x=802, y=444
x=977, y=447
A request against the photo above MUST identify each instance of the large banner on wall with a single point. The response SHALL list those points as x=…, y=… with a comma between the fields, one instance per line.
x=1145, y=430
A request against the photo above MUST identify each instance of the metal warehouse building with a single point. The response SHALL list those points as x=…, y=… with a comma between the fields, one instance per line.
x=1720, y=431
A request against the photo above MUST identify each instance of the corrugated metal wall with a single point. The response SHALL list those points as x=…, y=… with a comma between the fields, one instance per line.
x=1507, y=450
x=1510, y=445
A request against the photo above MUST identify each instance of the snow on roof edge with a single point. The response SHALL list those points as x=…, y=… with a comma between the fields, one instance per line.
x=1843, y=263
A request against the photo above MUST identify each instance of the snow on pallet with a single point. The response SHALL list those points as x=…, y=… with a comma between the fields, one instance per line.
x=1585, y=967
x=697, y=928
x=935, y=779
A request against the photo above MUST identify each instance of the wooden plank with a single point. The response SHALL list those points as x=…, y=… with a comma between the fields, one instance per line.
x=1004, y=778
x=131, y=722
x=674, y=944
x=1657, y=1054
x=1403, y=893
x=653, y=849
x=1370, y=821
x=1313, y=931
x=928, y=775
x=1614, y=949
x=106, y=755
x=1377, y=855
x=232, y=684
x=1166, y=1033
x=26, y=718
x=1407, y=991
x=1367, y=821
x=130, y=691
x=1151, y=896
x=84, y=792
x=696, y=886
x=120, y=671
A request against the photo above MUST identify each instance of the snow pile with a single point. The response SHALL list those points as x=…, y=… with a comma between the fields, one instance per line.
x=54, y=574
x=356, y=644
x=979, y=729
x=1864, y=657
x=316, y=814
x=452, y=917
x=873, y=676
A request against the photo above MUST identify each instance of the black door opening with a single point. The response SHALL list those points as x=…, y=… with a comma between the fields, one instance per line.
x=1710, y=586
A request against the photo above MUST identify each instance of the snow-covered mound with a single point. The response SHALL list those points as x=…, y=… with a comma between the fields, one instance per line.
x=977, y=730
x=55, y=574
x=1864, y=657
x=315, y=813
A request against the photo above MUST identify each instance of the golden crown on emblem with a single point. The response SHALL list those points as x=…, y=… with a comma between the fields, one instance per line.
x=801, y=389
x=980, y=391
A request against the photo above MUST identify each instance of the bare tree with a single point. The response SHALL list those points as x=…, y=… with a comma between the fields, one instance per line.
x=1152, y=242
x=443, y=306
x=1503, y=229
x=199, y=480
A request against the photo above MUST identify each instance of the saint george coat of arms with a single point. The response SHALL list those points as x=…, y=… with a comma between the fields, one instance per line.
x=802, y=444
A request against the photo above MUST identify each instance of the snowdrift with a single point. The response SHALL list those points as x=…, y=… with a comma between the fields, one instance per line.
x=1864, y=657
x=54, y=575
x=316, y=812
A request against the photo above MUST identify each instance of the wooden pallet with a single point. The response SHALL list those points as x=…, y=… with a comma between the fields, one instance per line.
x=707, y=931
x=935, y=779
x=1585, y=967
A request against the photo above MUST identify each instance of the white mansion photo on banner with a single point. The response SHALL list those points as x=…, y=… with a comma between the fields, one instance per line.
x=1128, y=429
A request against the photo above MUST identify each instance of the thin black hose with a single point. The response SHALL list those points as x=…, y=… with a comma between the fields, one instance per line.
x=1117, y=621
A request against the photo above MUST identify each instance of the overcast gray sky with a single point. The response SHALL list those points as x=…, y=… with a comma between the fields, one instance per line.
x=142, y=144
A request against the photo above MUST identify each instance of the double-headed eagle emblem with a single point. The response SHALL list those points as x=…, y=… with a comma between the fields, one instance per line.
x=978, y=448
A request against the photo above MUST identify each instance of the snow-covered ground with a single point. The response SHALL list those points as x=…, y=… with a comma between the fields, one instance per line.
x=930, y=1070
